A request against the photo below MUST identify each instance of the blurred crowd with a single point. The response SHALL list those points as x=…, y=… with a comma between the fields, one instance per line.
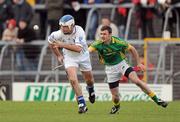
x=12, y=12
x=17, y=16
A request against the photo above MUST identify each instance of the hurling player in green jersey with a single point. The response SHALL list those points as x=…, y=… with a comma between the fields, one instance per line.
x=111, y=52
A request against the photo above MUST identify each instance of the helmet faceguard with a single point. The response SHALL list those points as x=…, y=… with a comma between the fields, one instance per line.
x=68, y=21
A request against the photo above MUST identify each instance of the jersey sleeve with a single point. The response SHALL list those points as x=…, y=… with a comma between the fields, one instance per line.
x=123, y=43
x=94, y=46
x=129, y=46
x=53, y=37
x=91, y=49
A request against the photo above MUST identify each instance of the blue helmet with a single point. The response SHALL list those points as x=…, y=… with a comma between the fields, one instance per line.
x=66, y=20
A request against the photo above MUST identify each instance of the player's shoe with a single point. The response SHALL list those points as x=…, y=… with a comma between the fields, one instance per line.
x=115, y=109
x=162, y=103
x=82, y=109
x=92, y=96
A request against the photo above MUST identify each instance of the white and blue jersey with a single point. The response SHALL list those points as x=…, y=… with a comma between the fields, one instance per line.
x=72, y=58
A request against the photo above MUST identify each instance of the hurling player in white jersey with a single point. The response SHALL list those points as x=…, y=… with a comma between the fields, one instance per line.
x=75, y=55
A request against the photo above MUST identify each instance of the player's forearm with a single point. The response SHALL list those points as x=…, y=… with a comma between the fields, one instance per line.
x=72, y=47
x=56, y=51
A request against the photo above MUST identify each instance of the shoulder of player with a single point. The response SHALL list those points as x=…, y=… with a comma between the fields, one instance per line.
x=78, y=28
x=118, y=40
x=56, y=34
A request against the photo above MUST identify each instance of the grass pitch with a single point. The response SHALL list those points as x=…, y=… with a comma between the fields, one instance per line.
x=98, y=112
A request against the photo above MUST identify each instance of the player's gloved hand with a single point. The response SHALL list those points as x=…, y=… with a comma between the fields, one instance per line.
x=142, y=67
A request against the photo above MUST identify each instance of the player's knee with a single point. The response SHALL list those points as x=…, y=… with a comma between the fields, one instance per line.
x=134, y=78
x=73, y=81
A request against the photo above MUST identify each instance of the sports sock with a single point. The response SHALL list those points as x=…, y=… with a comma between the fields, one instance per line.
x=90, y=89
x=81, y=100
x=153, y=97
x=116, y=104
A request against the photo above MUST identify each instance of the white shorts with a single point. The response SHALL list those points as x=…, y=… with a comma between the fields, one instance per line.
x=84, y=64
x=114, y=72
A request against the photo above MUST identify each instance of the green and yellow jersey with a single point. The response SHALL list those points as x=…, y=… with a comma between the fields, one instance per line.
x=112, y=53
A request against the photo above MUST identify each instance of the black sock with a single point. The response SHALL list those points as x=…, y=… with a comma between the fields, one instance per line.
x=90, y=89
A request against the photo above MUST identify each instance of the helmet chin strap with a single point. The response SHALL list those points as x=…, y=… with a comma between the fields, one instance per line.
x=67, y=33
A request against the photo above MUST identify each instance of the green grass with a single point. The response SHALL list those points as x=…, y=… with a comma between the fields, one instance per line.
x=98, y=112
